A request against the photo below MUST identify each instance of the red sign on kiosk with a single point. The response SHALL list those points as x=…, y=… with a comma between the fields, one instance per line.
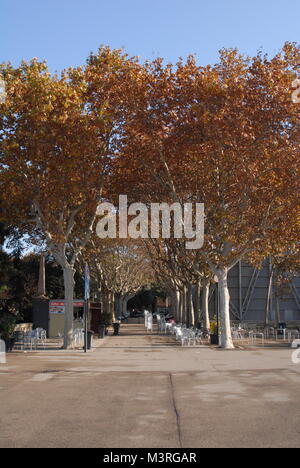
x=58, y=307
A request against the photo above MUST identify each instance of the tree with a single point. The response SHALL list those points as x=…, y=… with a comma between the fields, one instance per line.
x=57, y=141
x=226, y=136
x=120, y=268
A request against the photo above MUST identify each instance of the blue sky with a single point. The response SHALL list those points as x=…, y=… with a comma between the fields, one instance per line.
x=65, y=31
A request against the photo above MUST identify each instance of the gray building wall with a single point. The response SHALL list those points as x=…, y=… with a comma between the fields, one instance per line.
x=249, y=288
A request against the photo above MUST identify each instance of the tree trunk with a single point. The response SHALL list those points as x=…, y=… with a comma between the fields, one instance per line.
x=126, y=298
x=267, y=310
x=177, y=295
x=118, y=305
x=205, y=305
x=100, y=295
x=190, y=308
x=171, y=303
x=69, y=284
x=112, y=307
x=184, y=311
x=180, y=307
x=174, y=302
x=278, y=318
x=124, y=305
x=186, y=314
x=225, y=336
x=277, y=305
x=105, y=301
x=196, y=302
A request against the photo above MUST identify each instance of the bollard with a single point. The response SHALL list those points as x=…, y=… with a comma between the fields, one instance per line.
x=2, y=352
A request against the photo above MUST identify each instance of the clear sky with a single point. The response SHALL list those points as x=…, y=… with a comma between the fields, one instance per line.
x=65, y=31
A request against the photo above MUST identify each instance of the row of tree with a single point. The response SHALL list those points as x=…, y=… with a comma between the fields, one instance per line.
x=117, y=274
x=225, y=135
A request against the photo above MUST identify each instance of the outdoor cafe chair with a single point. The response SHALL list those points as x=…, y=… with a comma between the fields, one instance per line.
x=150, y=324
x=270, y=333
x=188, y=337
x=30, y=339
x=281, y=333
x=293, y=335
x=237, y=334
x=163, y=326
x=257, y=335
x=248, y=334
x=20, y=339
x=178, y=333
x=41, y=336
x=199, y=335
x=78, y=337
x=184, y=337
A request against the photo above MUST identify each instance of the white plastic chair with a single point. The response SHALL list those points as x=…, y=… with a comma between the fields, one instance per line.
x=188, y=337
x=163, y=325
x=293, y=335
x=178, y=333
x=199, y=336
x=41, y=336
x=78, y=337
x=30, y=339
x=259, y=335
x=150, y=323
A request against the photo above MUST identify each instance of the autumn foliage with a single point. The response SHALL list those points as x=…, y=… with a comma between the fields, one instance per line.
x=225, y=135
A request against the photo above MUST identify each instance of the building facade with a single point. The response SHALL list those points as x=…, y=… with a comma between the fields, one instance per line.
x=253, y=296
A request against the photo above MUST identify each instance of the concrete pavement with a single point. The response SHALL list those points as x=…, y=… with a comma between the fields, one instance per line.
x=141, y=390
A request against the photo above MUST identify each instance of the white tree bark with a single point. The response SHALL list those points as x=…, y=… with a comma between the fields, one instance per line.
x=268, y=300
x=205, y=305
x=112, y=306
x=184, y=306
x=196, y=302
x=180, y=307
x=177, y=294
x=225, y=335
x=69, y=284
x=58, y=250
x=190, y=306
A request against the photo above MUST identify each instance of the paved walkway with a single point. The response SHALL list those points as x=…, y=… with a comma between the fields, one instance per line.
x=141, y=390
